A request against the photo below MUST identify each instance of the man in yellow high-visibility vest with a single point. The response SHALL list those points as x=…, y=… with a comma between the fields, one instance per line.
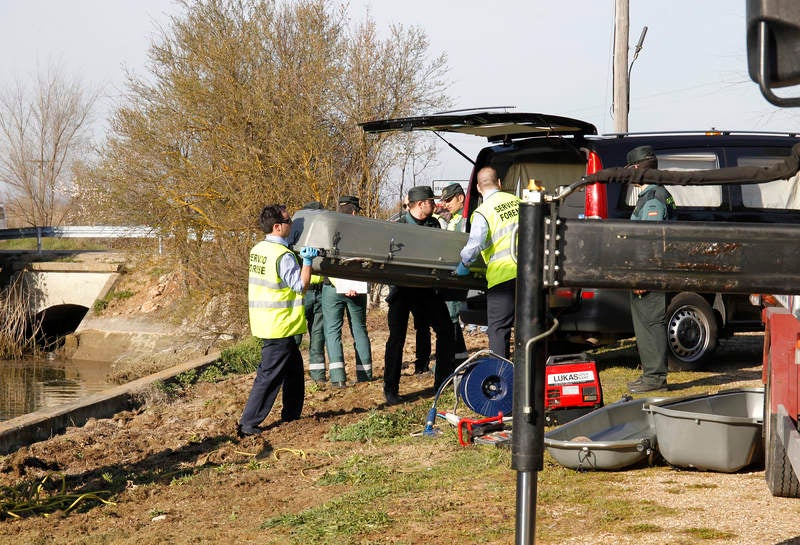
x=453, y=200
x=493, y=235
x=275, y=299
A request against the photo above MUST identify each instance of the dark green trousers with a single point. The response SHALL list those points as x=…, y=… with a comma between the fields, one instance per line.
x=648, y=313
x=312, y=301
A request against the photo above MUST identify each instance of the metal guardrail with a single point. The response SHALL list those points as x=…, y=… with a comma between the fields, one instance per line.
x=93, y=231
x=81, y=231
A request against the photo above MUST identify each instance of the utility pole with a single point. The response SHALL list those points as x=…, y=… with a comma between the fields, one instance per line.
x=621, y=28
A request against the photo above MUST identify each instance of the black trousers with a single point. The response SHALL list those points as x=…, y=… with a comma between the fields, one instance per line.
x=428, y=303
x=422, y=346
x=281, y=365
x=500, y=316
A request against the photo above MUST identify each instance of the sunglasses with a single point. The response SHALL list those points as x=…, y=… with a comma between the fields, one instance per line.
x=285, y=220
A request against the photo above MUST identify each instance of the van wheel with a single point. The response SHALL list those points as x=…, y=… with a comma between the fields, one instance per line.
x=691, y=332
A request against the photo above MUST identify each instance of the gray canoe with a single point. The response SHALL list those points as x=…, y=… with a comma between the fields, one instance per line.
x=371, y=250
x=611, y=438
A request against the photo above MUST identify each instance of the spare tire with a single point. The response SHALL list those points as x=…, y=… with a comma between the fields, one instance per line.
x=691, y=332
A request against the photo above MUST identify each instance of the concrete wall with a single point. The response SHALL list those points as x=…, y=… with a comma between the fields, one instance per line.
x=55, y=283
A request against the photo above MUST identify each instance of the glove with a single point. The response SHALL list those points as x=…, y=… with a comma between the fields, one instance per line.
x=462, y=270
x=308, y=254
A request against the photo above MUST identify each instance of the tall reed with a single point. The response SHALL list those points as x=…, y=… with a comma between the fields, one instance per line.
x=19, y=329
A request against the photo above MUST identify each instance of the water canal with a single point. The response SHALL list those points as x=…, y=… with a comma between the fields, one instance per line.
x=29, y=385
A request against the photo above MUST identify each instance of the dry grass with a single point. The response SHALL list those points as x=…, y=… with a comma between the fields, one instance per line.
x=19, y=330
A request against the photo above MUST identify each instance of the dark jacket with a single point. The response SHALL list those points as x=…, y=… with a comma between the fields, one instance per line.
x=430, y=221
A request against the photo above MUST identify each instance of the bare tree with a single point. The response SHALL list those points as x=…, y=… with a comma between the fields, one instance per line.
x=44, y=133
x=393, y=77
x=415, y=154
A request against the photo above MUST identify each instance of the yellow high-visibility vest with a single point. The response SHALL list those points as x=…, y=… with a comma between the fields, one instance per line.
x=276, y=310
x=501, y=211
x=455, y=223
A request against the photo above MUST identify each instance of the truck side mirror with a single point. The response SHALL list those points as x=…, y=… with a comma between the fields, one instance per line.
x=773, y=47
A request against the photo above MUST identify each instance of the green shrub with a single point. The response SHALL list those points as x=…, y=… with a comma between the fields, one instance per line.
x=242, y=358
x=378, y=425
x=101, y=304
x=212, y=373
x=187, y=378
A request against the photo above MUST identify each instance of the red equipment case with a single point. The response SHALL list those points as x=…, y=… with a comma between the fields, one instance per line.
x=572, y=388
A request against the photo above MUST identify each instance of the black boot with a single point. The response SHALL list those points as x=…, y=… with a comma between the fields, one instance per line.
x=391, y=397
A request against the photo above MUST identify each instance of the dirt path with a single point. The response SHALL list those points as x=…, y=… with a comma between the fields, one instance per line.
x=177, y=474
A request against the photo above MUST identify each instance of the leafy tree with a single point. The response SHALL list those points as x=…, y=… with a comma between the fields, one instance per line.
x=250, y=102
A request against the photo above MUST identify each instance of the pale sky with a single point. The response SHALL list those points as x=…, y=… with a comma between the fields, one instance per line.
x=538, y=55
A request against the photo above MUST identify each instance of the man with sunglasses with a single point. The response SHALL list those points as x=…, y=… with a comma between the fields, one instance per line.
x=425, y=301
x=276, y=286
x=453, y=200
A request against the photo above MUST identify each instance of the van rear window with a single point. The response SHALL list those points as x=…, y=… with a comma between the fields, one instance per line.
x=778, y=194
x=549, y=175
x=702, y=196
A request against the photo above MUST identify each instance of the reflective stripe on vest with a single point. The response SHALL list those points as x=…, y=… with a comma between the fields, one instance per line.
x=501, y=211
x=276, y=310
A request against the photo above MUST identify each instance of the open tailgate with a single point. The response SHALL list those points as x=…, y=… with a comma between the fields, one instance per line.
x=494, y=126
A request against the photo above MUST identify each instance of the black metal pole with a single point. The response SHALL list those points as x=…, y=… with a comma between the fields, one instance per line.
x=527, y=445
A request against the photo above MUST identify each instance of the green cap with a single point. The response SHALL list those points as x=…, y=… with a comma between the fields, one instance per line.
x=420, y=193
x=451, y=191
x=642, y=153
x=352, y=200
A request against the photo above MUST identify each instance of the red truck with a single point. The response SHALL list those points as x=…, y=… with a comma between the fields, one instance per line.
x=773, y=38
x=781, y=394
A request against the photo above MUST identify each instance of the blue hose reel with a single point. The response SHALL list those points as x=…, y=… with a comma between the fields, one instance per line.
x=487, y=386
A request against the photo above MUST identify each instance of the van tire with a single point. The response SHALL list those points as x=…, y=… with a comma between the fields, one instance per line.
x=691, y=326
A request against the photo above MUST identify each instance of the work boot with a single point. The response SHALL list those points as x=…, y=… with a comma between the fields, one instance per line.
x=247, y=432
x=391, y=397
x=646, y=384
x=636, y=382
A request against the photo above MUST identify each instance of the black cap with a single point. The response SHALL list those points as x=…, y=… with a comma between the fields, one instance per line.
x=420, y=193
x=451, y=191
x=642, y=153
x=350, y=199
x=313, y=205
